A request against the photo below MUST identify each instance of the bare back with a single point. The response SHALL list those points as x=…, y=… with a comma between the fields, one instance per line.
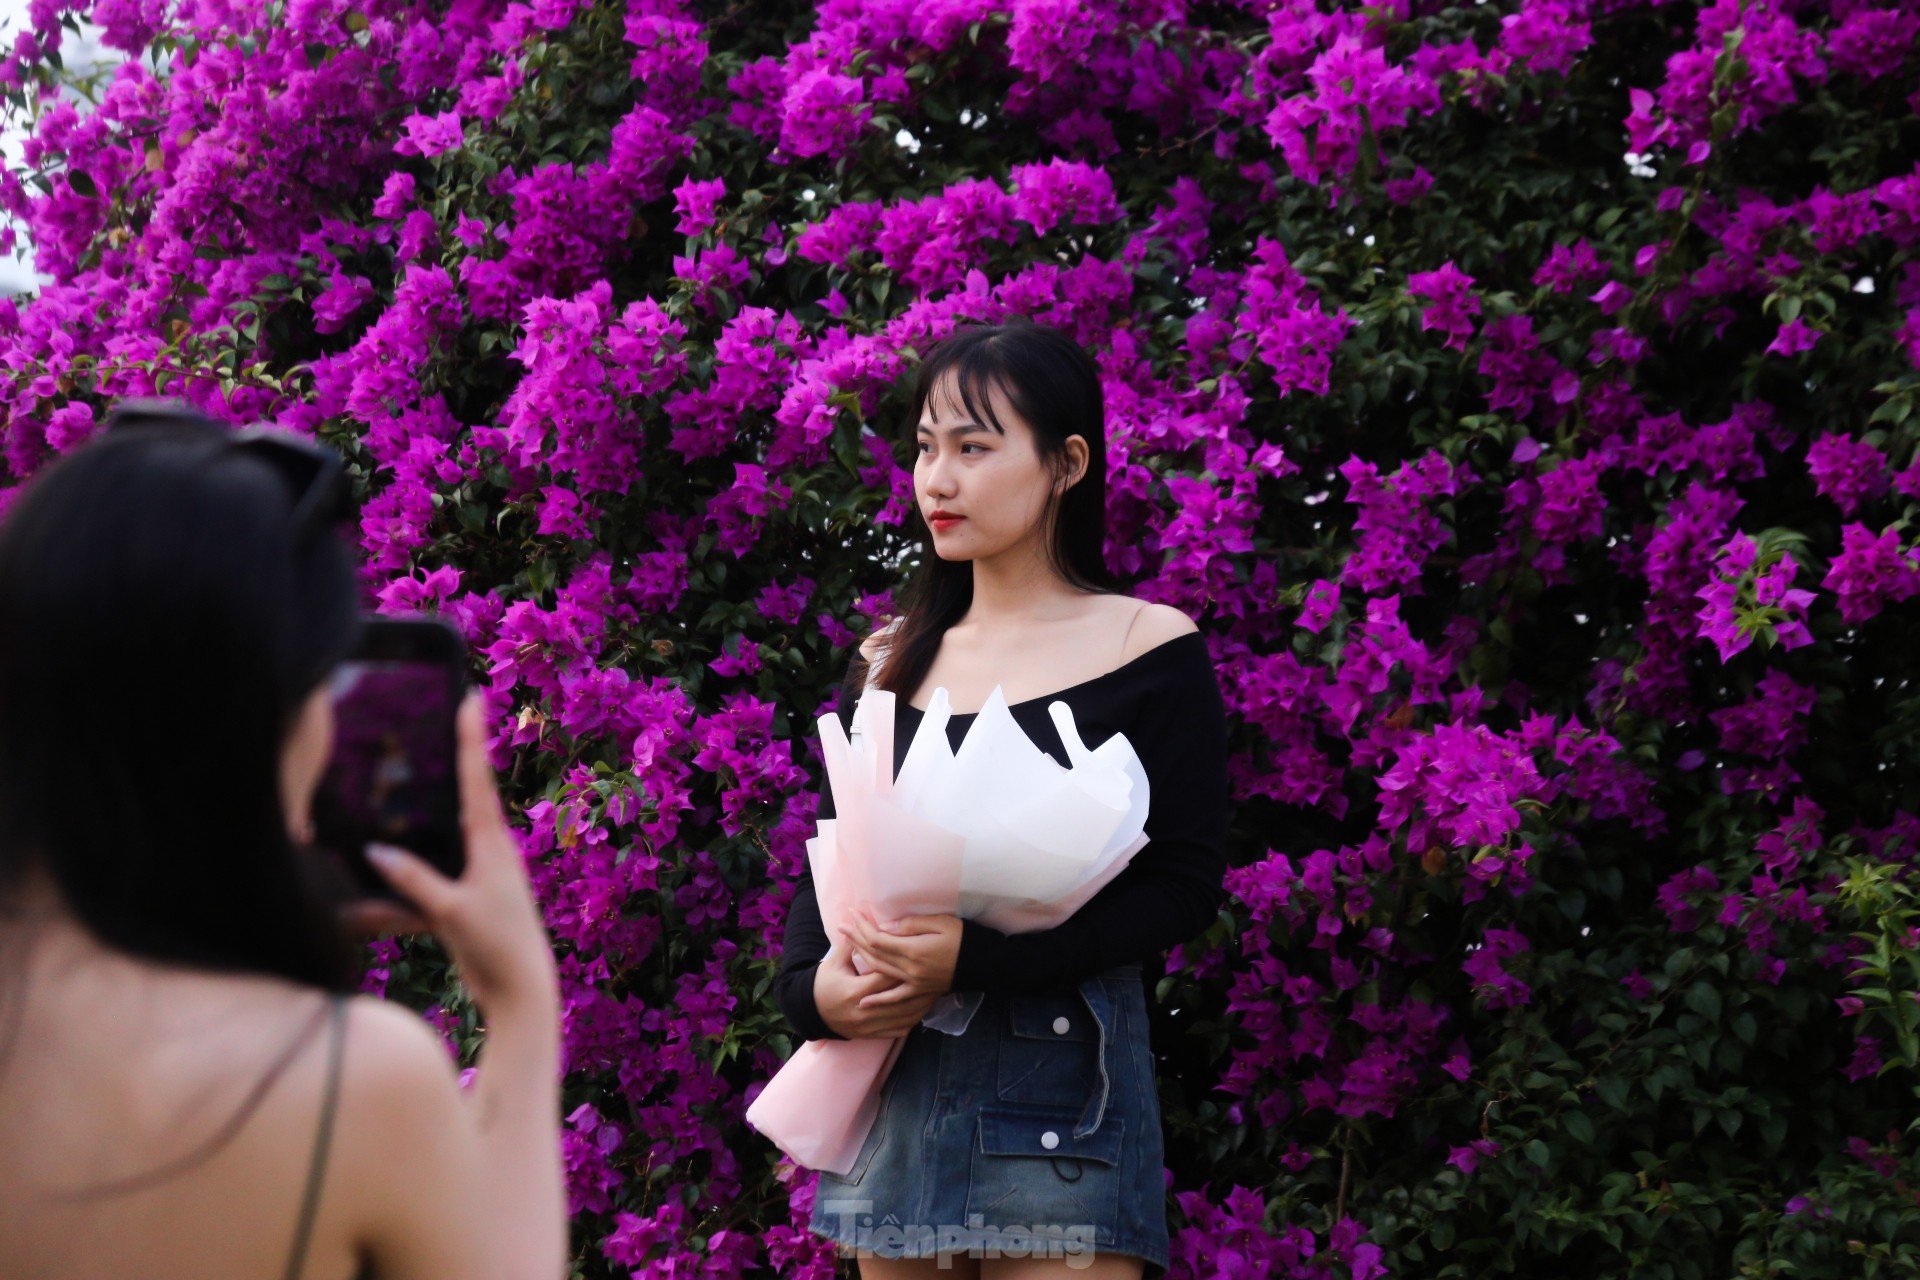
x=161, y=1122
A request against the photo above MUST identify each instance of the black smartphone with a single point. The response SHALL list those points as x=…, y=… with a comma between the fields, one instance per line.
x=393, y=777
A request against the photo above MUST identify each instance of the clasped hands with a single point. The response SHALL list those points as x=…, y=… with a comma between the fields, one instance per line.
x=910, y=963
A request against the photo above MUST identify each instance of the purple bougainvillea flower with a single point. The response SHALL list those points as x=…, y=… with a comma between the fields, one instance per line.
x=1795, y=336
x=431, y=135
x=1451, y=302
x=1872, y=571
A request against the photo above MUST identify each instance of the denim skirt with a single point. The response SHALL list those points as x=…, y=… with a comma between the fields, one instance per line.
x=1033, y=1134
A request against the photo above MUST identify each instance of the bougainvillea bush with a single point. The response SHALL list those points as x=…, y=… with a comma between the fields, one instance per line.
x=1520, y=396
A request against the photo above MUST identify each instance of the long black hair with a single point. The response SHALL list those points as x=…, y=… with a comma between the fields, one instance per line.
x=1054, y=386
x=163, y=617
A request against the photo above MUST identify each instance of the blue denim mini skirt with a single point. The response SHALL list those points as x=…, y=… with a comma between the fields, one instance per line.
x=1033, y=1134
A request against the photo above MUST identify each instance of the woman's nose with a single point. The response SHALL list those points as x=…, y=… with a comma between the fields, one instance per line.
x=939, y=476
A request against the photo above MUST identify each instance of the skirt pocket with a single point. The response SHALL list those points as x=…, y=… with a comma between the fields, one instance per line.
x=1030, y=1175
x=1051, y=1054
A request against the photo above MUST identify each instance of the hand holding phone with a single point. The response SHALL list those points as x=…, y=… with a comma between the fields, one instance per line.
x=487, y=917
x=391, y=777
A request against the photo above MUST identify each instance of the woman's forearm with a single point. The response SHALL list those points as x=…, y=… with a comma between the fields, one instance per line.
x=516, y=1096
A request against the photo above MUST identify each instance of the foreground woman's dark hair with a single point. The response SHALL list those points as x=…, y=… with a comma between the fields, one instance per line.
x=166, y=606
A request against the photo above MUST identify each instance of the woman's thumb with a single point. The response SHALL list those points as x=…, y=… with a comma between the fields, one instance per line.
x=417, y=882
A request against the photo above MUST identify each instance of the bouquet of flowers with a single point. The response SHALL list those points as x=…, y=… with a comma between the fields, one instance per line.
x=996, y=831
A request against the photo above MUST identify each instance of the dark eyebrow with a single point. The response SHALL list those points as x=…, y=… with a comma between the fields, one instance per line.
x=961, y=429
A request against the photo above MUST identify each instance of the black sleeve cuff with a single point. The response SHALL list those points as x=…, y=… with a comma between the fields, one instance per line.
x=981, y=964
x=793, y=991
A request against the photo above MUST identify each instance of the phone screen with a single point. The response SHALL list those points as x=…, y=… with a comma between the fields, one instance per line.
x=390, y=779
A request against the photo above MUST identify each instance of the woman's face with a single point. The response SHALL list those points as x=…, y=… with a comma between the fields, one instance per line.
x=303, y=760
x=997, y=485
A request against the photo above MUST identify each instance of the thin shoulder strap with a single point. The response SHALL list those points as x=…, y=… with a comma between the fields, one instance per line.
x=322, y=1139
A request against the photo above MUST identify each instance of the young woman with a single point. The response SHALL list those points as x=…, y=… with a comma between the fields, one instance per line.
x=188, y=1088
x=1030, y=1144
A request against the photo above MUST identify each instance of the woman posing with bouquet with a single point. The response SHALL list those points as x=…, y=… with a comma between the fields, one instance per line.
x=1030, y=1143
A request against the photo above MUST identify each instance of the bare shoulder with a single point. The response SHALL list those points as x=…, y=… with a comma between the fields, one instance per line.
x=406, y=1179
x=395, y=1064
x=402, y=1122
x=385, y=1046
x=1153, y=626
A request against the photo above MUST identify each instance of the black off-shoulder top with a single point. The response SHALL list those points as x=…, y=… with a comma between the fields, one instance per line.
x=1168, y=703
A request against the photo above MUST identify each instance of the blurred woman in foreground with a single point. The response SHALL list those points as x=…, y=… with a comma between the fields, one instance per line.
x=188, y=1086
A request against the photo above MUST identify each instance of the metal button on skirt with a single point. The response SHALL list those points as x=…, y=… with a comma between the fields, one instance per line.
x=1035, y=1133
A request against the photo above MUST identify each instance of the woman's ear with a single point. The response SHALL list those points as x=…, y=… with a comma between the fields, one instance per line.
x=1077, y=454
